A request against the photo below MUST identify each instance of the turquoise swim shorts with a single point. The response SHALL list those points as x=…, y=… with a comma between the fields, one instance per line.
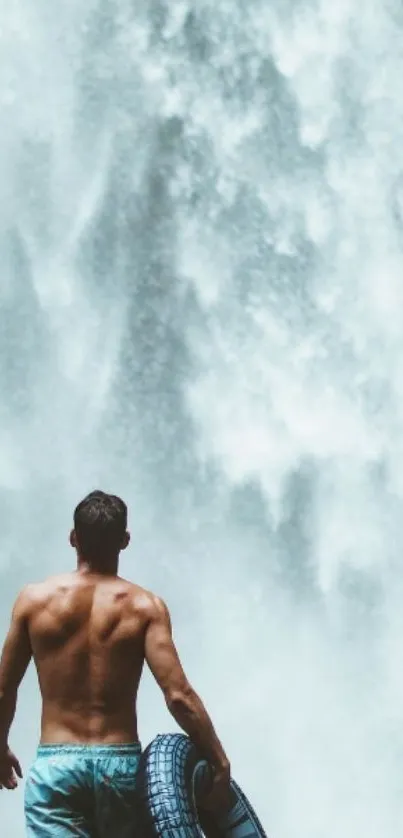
x=83, y=791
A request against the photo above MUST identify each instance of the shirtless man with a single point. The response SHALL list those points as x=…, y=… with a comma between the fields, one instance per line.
x=89, y=633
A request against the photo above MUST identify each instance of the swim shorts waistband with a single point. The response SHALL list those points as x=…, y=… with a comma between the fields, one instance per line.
x=130, y=749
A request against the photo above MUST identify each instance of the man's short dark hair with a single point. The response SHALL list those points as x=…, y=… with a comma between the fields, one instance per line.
x=100, y=523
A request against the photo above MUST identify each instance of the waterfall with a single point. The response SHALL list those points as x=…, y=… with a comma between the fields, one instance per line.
x=201, y=300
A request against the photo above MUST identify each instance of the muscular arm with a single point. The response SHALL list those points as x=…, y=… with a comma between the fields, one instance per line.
x=183, y=703
x=15, y=658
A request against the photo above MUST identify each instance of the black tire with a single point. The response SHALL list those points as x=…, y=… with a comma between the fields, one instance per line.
x=172, y=780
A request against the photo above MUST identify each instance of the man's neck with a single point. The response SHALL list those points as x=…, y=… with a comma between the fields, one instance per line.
x=106, y=567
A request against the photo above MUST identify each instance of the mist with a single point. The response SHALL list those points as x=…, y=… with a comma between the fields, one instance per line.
x=201, y=309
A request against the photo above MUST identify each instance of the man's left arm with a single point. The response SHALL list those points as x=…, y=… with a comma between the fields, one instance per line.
x=14, y=661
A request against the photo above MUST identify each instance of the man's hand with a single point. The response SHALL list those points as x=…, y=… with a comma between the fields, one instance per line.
x=10, y=769
x=218, y=799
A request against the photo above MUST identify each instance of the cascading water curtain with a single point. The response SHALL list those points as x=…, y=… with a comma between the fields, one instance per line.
x=201, y=308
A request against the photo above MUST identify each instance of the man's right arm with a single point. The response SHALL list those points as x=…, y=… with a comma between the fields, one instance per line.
x=183, y=703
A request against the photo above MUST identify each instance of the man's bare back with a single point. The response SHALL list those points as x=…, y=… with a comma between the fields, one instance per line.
x=87, y=634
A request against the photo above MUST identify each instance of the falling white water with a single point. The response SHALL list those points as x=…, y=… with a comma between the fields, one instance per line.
x=201, y=307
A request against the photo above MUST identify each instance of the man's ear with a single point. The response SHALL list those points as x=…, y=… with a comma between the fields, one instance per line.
x=125, y=540
x=73, y=539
